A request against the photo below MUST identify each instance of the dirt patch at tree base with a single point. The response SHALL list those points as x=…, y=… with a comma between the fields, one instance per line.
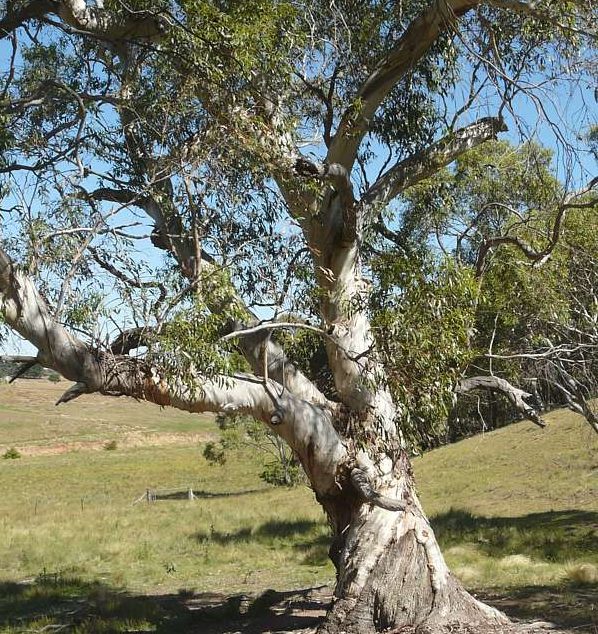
x=301, y=611
x=53, y=602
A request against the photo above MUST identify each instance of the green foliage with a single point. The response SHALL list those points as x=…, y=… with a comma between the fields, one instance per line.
x=111, y=445
x=279, y=474
x=191, y=342
x=85, y=311
x=54, y=377
x=488, y=189
x=203, y=123
x=214, y=453
x=423, y=321
x=239, y=432
x=11, y=454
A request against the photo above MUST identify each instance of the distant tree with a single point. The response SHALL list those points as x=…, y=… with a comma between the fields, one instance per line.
x=274, y=151
x=530, y=317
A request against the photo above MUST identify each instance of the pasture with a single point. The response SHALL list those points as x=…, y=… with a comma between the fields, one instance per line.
x=516, y=511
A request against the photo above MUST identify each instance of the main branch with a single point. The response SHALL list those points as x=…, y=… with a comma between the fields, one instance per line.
x=425, y=163
x=411, y=47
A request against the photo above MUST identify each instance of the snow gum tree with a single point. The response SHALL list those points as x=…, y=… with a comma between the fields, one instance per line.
x=210, y=205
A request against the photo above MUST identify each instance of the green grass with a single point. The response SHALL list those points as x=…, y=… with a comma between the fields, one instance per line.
x=73, y=514
x=517, y=507
x=515, y=511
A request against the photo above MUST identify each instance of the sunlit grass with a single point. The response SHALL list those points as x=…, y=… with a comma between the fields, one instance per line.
x=515, y=512
x=74, y=514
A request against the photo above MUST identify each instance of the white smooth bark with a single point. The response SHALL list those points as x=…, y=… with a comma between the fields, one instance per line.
x=516, y=396
x=93, y=20
x=423, y=164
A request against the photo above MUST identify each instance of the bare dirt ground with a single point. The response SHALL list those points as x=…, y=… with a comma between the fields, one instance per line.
x=300, y=612
x=128, y=441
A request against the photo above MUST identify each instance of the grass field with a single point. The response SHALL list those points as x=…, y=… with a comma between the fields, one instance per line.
x=516, y=511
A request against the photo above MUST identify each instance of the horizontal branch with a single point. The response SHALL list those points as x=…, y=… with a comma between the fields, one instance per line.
x=100, y=22
x=308, y=429
x=132, y=339
x=515, y=395
x=17, y=358
x=274, y=325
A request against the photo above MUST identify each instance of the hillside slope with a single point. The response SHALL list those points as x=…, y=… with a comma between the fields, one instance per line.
x=515, y=470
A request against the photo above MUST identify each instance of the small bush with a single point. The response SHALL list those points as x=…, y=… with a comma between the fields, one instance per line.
x=54, y=377
x=11, y=454
x=282, y=475
x=214, y=453
x=111, y=445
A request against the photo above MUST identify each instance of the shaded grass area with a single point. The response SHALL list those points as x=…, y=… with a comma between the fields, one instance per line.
x=556, y=536
x=541, y=566
x=566, y=605
x=56, y=603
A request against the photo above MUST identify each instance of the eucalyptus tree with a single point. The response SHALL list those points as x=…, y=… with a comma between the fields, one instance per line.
x=266, y=148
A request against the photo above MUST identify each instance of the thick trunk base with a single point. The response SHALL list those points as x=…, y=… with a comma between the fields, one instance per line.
x=391, y=577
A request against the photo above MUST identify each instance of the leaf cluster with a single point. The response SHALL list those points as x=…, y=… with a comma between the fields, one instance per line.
x=423, y=319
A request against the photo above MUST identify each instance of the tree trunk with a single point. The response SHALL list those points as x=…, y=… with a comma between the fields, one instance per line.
x=391, y=576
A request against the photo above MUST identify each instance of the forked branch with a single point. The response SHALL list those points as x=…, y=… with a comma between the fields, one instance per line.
x=575, y=200
x=410, y=48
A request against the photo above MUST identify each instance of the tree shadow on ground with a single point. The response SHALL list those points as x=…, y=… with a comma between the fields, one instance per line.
x=56, y=602
x=566, y=605
x=555, y=536
x=307, y=536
